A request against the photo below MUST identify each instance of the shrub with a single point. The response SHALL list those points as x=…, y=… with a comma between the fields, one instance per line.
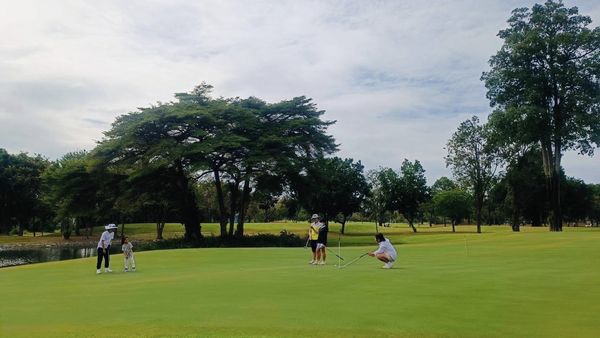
x=284, y=239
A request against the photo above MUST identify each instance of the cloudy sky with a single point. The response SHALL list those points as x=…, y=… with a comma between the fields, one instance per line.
x=398, y=76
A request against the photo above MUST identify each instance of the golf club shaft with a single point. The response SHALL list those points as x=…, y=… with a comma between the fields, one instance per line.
x=355, y=259
x=333, y=252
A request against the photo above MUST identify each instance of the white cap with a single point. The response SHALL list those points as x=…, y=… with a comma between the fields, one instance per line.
x=110, y=226
x=314, y=216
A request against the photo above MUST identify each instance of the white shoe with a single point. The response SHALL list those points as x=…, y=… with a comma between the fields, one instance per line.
x=107, y=270
x=133, y=269
x=321, y=263
x=125, y=270
x=98, y=271
x=388, y=265
x=312, y=261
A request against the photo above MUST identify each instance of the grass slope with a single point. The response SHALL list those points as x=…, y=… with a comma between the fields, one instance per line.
x=496, y=284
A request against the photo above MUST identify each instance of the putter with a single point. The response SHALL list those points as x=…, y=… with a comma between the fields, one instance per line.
x=353, y=261
x=333, y=252
x=307, y=240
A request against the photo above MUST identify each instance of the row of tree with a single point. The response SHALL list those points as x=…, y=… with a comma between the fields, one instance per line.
x=75, y=193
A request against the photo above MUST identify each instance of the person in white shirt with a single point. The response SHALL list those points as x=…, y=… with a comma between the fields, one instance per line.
x=104, y=248
x=386, y=251
x=127, y=248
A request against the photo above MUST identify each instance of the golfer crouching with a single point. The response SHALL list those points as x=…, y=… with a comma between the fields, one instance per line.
x=386, y=251
x=104, y=248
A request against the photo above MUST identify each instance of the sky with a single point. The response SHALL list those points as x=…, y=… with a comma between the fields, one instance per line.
x=397, y=76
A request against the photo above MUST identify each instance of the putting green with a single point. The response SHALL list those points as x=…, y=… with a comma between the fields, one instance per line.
x=493, y=284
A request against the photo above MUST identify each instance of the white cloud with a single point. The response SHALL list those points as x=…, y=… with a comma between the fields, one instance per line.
x=398, y=76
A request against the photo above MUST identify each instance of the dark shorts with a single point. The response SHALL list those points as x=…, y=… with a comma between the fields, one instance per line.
x=313, y=245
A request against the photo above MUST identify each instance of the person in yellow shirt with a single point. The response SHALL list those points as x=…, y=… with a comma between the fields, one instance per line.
x=313, y=236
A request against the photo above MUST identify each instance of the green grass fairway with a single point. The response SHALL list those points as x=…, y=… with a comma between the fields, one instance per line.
x=498, y=284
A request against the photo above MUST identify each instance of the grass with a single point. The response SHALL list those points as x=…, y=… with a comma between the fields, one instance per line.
x=496, y=284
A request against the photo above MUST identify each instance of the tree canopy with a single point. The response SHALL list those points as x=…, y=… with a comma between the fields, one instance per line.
x=545, y=82
x=235, y=140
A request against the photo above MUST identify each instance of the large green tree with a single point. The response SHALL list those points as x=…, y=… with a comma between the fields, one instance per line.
x=334, y=187
x=21, y=202
x=453, y=204
x=282, y=139
x=375, y=205
x=546, y=81
x=473, y=160
x=384, y=183
x=411, y=191
x=440, y=185
x=524, y=179
x=233, y=140
x=80, y=193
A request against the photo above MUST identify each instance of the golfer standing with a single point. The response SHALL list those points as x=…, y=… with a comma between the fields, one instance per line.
x=386, y=251
x=104, y=248
x=313, y=235
x=322, y=243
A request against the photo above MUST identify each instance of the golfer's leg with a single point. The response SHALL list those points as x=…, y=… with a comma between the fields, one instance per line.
x=324, y=253
x=107, y=257
x=383, y=257
x=132, y=261
x=125, y=262
x=99, y=260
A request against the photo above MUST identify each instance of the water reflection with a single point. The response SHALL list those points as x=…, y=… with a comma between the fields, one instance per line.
x=12, y=257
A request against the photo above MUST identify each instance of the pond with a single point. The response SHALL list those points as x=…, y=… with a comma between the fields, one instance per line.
x=18, y=256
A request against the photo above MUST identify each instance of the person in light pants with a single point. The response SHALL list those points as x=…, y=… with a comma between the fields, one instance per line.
x=127, y=248
x=386, y=251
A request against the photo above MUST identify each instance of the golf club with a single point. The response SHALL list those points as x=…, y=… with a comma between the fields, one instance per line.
x=307, y=240
x=333, y=252
x=353, y=261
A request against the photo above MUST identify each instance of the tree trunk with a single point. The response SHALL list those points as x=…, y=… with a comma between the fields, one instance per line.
x=551, y=166
x=453, y=224
x=239, y=231
x=160, y=226
x=515, y=211
x=89, y=227
x=233, y=193
x=410, y=222
x=77, y=226
x=191, y=219
x=343, y=224
x=221, y=201
x=478, y=207
x=555, y=214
